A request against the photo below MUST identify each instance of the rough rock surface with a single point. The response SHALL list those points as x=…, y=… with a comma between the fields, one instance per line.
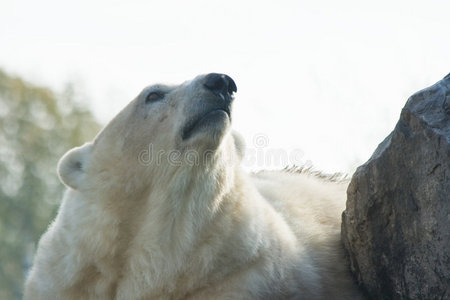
x=396, y=227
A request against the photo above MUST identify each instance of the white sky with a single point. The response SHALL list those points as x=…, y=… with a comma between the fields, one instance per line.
x=322, y=80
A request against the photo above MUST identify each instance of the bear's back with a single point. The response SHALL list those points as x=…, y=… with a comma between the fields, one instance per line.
x=312, y=205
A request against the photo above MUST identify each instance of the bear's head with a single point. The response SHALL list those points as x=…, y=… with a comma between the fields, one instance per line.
x=165, y=130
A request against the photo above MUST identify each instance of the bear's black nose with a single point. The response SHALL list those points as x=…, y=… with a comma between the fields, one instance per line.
x=221, y=85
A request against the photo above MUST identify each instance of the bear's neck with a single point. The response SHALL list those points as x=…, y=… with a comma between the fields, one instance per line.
x=191, y=200
x=198, y=227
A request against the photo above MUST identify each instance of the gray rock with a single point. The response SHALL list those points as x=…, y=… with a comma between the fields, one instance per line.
x=396, y=226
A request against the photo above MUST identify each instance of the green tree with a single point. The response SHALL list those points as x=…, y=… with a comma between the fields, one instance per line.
x=37, y=127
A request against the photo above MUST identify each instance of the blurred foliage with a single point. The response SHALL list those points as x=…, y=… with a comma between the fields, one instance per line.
x=37, y=127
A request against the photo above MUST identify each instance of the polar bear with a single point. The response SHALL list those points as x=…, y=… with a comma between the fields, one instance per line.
x=158, y=207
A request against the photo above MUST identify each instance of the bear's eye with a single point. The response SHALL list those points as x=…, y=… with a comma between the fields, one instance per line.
x=153, y=97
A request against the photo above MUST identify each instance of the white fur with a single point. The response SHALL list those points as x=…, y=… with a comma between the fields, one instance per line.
x=129, y=229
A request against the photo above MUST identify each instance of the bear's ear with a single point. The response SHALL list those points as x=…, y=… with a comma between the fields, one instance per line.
x=239, y=144
x=71, y=167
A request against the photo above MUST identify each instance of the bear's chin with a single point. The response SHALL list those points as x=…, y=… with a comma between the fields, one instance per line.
x=208, y=130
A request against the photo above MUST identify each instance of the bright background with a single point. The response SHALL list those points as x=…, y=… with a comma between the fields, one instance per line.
x=326, y=79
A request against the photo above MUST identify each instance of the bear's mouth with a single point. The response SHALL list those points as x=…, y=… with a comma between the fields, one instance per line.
x=205, y=119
